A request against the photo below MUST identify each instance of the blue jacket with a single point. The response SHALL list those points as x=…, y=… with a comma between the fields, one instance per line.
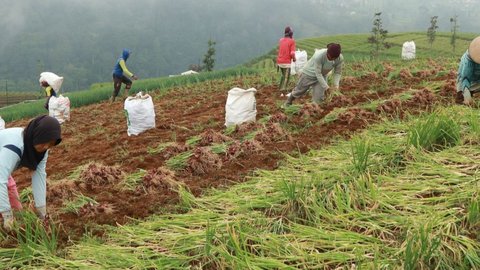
x=11, y=150
x=468, y=72
x=117, y=70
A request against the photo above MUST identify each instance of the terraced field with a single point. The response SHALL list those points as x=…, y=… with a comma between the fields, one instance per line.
x=355, y=182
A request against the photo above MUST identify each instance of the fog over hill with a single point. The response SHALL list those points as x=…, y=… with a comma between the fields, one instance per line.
x=81, y=39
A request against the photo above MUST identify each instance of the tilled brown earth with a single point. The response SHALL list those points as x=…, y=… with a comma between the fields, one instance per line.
x=96, y=139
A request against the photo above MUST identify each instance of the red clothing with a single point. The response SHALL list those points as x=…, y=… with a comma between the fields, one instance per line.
x=286, y=50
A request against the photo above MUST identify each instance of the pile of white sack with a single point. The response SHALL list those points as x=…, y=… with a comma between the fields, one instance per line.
x=301, y=58
x=241, y=106
x=140, y=113
x=59, y=107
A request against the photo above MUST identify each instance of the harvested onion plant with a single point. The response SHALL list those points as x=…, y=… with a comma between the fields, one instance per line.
x=398, y=196
x=179, y=162
x=74, y=205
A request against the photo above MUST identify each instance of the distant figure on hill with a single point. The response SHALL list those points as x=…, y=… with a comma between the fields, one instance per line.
x=52, y=84
x=49, y=92
x=315, y=72
x=27, y=148
x=286, y=54
x=119, y=72
x=468, y=78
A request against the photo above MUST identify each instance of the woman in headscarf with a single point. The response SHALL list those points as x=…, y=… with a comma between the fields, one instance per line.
x=27, y=148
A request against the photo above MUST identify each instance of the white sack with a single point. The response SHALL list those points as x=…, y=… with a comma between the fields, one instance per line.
x=408, y=50
x=59, y=107
x=241, y=106
x=301, y=59
x=2, y=123
x=52, y=79
x=140, y=113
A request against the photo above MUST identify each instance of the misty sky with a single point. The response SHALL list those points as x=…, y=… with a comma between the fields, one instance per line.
x=62, y=34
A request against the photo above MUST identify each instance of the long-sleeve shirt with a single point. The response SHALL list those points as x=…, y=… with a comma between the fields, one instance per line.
x=319, y=66
x=124, y=68
x=11, y=149
x=286, y=50
x=468, y=72
x=50, y=92
x=121, y=68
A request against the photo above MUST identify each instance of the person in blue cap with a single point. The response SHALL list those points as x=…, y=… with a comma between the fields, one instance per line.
x=120, y=73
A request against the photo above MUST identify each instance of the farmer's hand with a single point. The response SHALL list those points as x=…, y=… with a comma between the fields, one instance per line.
x=43, y=216
x=459, y=98
x=134, y=77
x=467, y=97
x=46, y=221
x=468, y=101
x=8, y=220
x=327, y=92
x=42, y=212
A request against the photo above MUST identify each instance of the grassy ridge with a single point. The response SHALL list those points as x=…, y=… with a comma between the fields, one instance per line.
x=102, y=91
x=16, y=97
x=355, y=47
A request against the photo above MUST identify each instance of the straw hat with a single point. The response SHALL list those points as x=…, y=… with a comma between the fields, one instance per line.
x=474, y=50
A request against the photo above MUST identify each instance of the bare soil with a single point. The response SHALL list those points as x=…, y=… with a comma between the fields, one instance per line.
x=96, y=139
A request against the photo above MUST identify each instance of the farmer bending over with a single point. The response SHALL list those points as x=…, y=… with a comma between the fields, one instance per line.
x=315, y=72
x=27, y=148
x=468, y=78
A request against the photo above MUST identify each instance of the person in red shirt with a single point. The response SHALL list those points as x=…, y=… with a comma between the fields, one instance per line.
x=286, y=54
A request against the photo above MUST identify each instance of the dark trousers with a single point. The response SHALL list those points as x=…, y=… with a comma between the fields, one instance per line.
x=117, y=84
x=284, y=79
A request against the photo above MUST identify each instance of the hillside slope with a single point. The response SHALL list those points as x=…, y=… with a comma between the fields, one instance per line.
x=356, y=48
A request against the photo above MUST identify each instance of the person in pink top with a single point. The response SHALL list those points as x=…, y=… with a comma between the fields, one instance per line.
x=286, y=54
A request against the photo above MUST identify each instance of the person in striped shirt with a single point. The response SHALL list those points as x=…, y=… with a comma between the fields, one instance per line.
x=468, y=77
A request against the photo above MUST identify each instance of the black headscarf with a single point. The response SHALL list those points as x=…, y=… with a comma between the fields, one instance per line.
x=42, y=129
x=289, y=32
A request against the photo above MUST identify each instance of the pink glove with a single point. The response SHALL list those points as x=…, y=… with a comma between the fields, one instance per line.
x=8, y=220
x=13, y=194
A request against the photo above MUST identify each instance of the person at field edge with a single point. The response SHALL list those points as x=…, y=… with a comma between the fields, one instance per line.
x=286, y=54
x=27, y=148
x=13, y=196
x=468, y=78
x=119, y=72
x=49, y=92
x=314, y=74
